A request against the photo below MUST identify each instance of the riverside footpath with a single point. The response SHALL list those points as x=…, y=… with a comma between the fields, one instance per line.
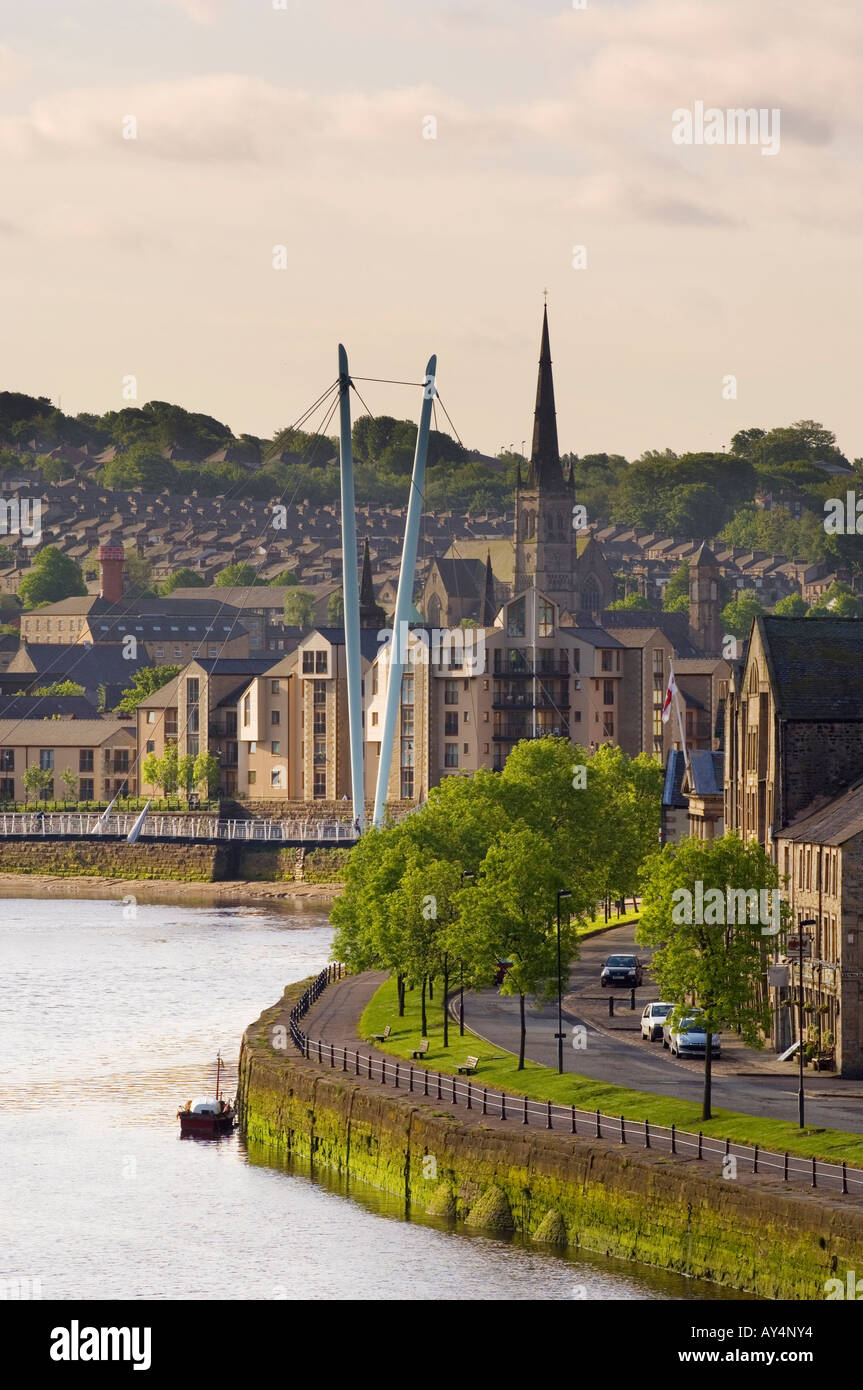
x=475, y=1155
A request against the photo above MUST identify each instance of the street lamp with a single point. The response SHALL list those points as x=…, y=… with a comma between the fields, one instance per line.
x=466, y=873
x=561, y=893
x=806, y=922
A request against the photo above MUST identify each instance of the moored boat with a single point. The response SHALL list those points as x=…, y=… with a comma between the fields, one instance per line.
x=207, y=1117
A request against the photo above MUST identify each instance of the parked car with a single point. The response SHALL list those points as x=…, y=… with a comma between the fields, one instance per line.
x=621, y=970
x=653, y=1019
x=689, y=1038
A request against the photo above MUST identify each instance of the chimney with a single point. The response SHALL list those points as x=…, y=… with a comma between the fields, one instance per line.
x=111, y=561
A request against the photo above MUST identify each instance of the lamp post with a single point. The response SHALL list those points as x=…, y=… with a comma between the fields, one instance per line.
x=561, y=893
x=806, y=922
x=466, y=873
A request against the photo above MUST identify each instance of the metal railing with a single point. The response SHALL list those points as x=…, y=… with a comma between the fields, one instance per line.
x=59, y=823
x=593, y=1124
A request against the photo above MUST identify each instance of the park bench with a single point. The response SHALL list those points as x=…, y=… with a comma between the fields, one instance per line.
x=469, y=1066
x=422, y=1049
x=381, y=1037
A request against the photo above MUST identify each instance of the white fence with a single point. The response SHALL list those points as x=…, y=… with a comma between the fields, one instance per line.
x=159, y=827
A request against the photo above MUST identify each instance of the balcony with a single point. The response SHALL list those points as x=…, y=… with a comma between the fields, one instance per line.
x=538, y=668
x=512, y=733
x=526, y=701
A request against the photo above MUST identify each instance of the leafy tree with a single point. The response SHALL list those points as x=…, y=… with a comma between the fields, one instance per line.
x=145, y=681
x=207, y=770
x=169, y=768
x=838, y=602
x=335, y=609
x=675, y=598
x=717, y=965
x=183, y=578
x=792, y=606
x=239, y=575
x=300, y=609
x=512, y=917
x=51, y=577
x=66, y=687
x=422, y=911
x=151, y=770
x=70, y=783
x=737, y=615
x=631, y=601
x=36, y=779
x=186, y=772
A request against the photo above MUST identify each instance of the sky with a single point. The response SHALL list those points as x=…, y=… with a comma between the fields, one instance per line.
x=306, y=125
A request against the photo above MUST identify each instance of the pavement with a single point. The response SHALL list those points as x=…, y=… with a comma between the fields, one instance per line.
x=745, y=1079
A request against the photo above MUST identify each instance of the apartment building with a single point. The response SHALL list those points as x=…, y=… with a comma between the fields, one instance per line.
x=99, y=755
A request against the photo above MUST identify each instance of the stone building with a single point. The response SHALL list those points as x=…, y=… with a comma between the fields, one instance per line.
x=99, y=753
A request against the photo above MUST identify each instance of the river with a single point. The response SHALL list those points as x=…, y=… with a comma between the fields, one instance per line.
x=111, y=1014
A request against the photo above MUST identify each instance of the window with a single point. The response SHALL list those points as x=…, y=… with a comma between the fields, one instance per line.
x=46, y=759
x=277, y=746
x=85, y=760
x=7, y=759
x=178, y=652
x=375, y=681
x=85, y=789
x=151, y=745
x=308, y=663
x=450, y=723
x=407, y=783
x=192, y=690
x=212, y=650
x=274, y=687
x=319, y=692
x=608, y=692
x=320, y=662
x=374, y=719
x=407, y=690
x=450, y=758
x=320, y=724
x=247, y=711
x=545, y=624
x=276, y=777
x=450, y=692
x=515, y=618
x=253, y=777
x=320, y=752
x=658, y=665
x=47, y=793
x=320, y=789
x=606, y=660
x=193, y=746
x=151, y=716
x=466, y=748
x=275, y=717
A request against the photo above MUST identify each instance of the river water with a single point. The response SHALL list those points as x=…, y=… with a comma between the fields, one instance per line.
x=111, y=1013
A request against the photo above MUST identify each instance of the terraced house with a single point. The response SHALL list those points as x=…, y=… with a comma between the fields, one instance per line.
x=99, y=756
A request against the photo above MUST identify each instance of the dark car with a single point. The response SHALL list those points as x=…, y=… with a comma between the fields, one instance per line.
x=621, y=970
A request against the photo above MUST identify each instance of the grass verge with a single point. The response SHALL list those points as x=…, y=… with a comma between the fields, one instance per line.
x=498, y=1070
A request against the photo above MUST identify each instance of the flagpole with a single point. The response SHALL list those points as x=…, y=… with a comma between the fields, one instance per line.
x=680, y=722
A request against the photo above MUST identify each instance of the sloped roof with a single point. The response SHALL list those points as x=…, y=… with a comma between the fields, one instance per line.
x=462, y=578
x=832, y=823
x=816, y=666
x=62, y=733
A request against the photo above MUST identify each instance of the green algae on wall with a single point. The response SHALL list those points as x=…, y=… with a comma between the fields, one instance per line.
x=756, y=1235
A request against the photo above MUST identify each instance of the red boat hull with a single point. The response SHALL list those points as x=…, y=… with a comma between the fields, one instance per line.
x=205, y=1126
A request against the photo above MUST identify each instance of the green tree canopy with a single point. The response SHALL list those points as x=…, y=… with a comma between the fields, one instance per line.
x=51, y=577
x=144, y=682
x=300, y=609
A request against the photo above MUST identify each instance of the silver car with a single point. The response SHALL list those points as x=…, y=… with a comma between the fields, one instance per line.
x=689, y=1038
x=653, y=1020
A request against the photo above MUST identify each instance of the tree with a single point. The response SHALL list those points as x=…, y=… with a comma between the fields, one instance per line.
x=693, y=899
x=300, y=609
x=36, y=779
x=186, y=772
x=59, y=688
x=675, y=597
x=838, y=602
x=792, y=606
x=737, y=615
x=335, y=609
x=207, y=770
x=511, y=918
x=70, y=783
x=151, y=770
x=631, y=601
x=169, y=768
x=51, y=577
x=183, y=578
x=421, y=913
x=240, y=575
x=145, y=681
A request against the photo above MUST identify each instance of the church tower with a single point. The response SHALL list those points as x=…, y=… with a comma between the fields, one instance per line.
x=705, y=627
x=545, y=543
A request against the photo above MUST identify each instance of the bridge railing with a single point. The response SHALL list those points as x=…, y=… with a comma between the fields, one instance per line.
x=161, y=827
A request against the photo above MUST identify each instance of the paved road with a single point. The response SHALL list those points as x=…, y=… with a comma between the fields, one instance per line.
x=644, y=1066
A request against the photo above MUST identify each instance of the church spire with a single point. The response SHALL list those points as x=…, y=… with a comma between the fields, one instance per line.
x=371, y=613
x=545, y=469
x=488, y=604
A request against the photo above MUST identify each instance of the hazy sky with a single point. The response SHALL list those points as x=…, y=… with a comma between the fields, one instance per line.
x=303, y=126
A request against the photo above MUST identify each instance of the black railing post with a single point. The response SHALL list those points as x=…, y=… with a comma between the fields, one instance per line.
x=320, y=1053
x=622, y=1130
x=572, y=1119
x=469, y=1106
x=673, y=1137
x=548, y=1115
x=844, y=1178
x=524, y=1111
x=647, y=1134
x=814, y=1174
x=598, y=1124
x=438, y=1086
x=397, y=1075
x=785, y=1168
x=755, y=1159
x=502, y=1106
x=485, y=1100
x=699, y=1143
x=425, y=1081
x=611, y=1006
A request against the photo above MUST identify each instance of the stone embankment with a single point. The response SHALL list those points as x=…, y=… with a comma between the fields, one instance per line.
x=751, y=1233
x=179, y=861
